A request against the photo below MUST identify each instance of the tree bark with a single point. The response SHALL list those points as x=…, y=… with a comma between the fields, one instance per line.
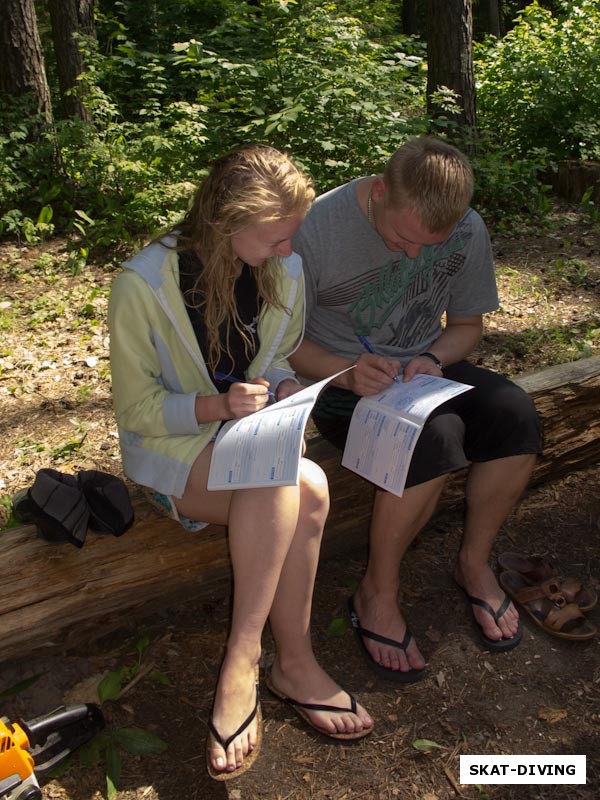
x=410, y=17
x=70, y=17
x=22, y=69
x=450, y=58
x=491, y=15
x=55, y=596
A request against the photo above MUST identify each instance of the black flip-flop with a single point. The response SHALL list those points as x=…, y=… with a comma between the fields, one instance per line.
x=302, y=708
x=494, y=645
x=410, y=676
x=224, y=775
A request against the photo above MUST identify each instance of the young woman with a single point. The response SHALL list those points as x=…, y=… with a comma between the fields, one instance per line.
x=221, y=298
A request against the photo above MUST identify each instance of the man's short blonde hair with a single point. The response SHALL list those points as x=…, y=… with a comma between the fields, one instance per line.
x=433, y=179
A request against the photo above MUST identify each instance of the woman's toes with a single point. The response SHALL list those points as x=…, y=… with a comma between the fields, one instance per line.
x=219, y=763
x=354, y=725
x=233, y=758
x=218, y=757
x=366, y=720
x=346, y=724
x=238, y=753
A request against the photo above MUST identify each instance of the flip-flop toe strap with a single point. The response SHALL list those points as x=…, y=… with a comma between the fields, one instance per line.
x=487, y=607
x=324, y=707
x=226, y=742
x=403, y=645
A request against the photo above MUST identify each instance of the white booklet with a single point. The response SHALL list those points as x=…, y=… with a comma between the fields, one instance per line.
x=264, y=449
x=385, y=427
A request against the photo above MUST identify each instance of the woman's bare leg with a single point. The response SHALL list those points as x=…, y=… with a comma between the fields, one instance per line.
x=296, y=672
x=262, y=524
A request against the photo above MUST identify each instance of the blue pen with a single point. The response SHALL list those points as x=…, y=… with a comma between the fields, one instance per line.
x=221, y=376
x=370, y=349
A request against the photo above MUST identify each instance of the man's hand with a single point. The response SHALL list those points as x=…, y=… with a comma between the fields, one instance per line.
x=421, y=365
x=287, y=388
x=372, y=374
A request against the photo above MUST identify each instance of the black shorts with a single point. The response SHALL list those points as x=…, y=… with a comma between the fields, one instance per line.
x=494, y=420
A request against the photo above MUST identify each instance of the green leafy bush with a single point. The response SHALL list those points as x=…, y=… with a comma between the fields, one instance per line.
x=330, y=82
x=539, y=86
x=297, y=75
x=27, y=159
x=509, y=189
x=338, y=100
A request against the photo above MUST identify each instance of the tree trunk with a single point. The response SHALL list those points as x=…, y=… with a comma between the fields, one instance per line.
x=54, y=596
x=450, y=59
x=410, y=17
x=491, y=13
x=22, y=69
x=69, y=17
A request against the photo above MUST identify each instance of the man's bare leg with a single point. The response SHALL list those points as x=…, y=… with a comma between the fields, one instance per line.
x=493, y=489
x=394, y=524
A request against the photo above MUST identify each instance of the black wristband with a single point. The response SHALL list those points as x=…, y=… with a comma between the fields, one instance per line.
x=434, y=358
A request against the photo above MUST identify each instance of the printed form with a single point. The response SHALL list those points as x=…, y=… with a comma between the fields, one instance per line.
x=385, y=428
x=264, y=449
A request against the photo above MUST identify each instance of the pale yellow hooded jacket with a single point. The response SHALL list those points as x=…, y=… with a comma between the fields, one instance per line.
x=158, y=369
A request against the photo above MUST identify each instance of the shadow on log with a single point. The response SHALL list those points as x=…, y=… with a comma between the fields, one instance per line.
x=56, y=596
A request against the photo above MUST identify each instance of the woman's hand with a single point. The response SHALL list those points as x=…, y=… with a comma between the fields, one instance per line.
x=243, y=399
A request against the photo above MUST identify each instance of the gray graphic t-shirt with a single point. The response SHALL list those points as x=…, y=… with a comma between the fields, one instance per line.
x=355, y=286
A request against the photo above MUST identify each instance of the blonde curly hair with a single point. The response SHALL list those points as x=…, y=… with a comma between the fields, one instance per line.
x=251, y=183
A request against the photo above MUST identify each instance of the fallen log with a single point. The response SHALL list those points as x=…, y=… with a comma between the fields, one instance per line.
x=56, y=596
x=574, y=178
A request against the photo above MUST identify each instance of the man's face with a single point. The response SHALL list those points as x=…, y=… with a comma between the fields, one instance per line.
x=402, y=230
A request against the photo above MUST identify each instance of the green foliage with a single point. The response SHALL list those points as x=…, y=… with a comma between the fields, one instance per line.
x=311, y=90
x=426, y=745
x=337, y=627
x=333, y=83
x=507, y=187
x=22, y=686
x=539, y=86
x=590, y=207
x=299, y=75
x=11, y=522
x=24, y=157
x=107, y=746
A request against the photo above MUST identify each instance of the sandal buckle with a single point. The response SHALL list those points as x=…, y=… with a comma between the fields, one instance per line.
x=555, y=594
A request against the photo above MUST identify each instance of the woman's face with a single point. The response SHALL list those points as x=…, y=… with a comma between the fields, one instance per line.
x=257, y=242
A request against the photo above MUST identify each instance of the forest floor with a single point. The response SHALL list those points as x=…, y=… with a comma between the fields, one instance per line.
x=541, y=698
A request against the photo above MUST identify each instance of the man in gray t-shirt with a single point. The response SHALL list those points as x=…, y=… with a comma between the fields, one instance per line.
x=401, y=266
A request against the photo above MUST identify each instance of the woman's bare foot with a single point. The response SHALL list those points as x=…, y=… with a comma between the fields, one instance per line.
x=306, y=682
x=235, y=700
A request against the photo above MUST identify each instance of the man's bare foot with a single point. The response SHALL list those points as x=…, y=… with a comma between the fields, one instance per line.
x=480, y=582
x=235, y=700
x=380, y=614
x=306, y=682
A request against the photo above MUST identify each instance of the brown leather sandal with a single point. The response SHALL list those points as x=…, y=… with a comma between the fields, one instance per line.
x=535, y=569
x=548, y=607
